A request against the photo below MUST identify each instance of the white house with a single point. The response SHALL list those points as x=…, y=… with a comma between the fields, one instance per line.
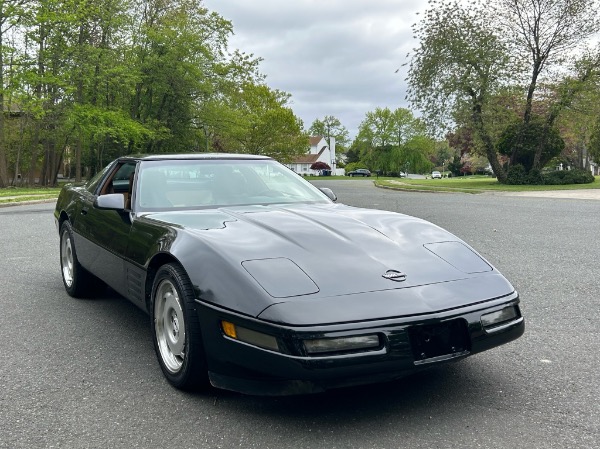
x=320, y=151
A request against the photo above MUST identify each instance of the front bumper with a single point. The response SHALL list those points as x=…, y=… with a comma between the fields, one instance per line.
x=242, y=367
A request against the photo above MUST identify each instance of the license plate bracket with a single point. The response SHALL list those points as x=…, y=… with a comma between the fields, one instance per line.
x=439, y=341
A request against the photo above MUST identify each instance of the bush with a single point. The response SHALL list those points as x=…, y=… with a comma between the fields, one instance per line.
x=353, y=166
x=516, y=175
x=563, y=177
x=523, y=139
x=534, y=177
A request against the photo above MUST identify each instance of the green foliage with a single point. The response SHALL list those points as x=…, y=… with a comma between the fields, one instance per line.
x=352, y=166
x=460, y=60
x=95, y=80
x=517, y=175
x=329, y=127
x=562, y=177
x=260, y=123
x=393, y=141
x=455, y=166
x=472, y=58
x=386, y=127
x=594, y=146
x=522, y=140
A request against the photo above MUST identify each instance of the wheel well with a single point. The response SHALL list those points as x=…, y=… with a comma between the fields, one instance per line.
x=157, y=261
x=62, y=218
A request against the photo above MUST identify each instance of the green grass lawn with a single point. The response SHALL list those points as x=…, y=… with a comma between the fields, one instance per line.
x=17, y=194
x=472, y=184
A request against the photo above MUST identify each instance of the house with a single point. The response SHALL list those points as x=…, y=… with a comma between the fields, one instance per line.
x=320, y=151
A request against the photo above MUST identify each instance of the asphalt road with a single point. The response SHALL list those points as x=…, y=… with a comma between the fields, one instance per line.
x=82, y=373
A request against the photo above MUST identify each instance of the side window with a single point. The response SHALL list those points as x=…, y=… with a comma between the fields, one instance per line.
x=94, y=182
x=123, y=177
x=120, y=181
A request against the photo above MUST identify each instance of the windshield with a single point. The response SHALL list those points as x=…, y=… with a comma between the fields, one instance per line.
x=208, y=183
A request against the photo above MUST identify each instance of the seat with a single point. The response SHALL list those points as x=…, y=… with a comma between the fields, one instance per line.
x=228, y=186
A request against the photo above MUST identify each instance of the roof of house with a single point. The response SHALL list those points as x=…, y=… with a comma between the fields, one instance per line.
x=309, y=158
x=306, y=159
x=314, y=140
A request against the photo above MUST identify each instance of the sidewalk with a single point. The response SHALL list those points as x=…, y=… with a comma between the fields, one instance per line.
x=21, y=203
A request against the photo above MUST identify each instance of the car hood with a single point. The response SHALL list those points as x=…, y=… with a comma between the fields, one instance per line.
x=300, y=252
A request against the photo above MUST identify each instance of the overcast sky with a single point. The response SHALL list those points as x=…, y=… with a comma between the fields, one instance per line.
x=335, y=57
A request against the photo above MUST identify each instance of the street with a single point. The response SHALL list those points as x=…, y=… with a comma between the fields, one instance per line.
x=83, y=373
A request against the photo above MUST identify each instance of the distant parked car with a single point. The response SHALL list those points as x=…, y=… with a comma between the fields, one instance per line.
x=359, y=172
x=436, y=174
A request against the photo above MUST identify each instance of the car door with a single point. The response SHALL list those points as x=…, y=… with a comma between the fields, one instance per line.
x=105, y=233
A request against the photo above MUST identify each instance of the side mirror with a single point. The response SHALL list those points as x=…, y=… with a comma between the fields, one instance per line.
x=332, y=196
x=111, y=201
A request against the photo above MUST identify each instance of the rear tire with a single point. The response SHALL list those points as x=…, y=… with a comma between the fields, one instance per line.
x=79, y=283
x=176, y=330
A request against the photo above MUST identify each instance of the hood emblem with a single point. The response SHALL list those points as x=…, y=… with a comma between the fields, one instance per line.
x=394, y=275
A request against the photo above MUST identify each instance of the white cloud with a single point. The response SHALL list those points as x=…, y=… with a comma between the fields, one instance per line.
x=335, y=57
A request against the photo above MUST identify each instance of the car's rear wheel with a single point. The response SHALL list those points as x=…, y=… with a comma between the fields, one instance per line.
x=176, y=330
x=78, y=281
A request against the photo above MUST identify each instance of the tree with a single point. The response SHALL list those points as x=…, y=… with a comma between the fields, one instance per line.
x=459, y=64
x=319, y=165
x=544, y=33
x=579, y=128
x=383, y=127
x=594, y=147
x=388, y=139
x=10, y=13
x=521, y=141
x=456, y=165
x=262, y=123
x=467, y=56
x=330, y=127
x=95, y=80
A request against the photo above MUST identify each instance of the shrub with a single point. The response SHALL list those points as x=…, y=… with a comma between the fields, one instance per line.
x=516, y=175
x=523, y=140
x=353, y=166
x=562, y=177
x=534, y=177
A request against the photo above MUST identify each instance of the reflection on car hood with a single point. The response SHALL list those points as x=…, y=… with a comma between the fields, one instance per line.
x=308, y=251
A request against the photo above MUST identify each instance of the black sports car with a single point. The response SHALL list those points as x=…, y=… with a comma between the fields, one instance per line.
x=256, y=281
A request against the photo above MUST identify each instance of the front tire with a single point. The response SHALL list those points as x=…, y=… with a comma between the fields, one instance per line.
x=79, y=282
x=176, y=331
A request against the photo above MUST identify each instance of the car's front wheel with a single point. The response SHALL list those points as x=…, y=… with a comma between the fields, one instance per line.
x=77, y=280
x=175, y=329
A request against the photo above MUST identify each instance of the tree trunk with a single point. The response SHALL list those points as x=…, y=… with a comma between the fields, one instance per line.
x=78, y=145
x=490, y=149
x=3, y=162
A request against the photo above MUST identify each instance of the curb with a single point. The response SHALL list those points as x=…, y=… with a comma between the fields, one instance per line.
x=24, y=203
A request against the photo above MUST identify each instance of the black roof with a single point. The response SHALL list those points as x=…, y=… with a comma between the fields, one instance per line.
x=195, y=156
